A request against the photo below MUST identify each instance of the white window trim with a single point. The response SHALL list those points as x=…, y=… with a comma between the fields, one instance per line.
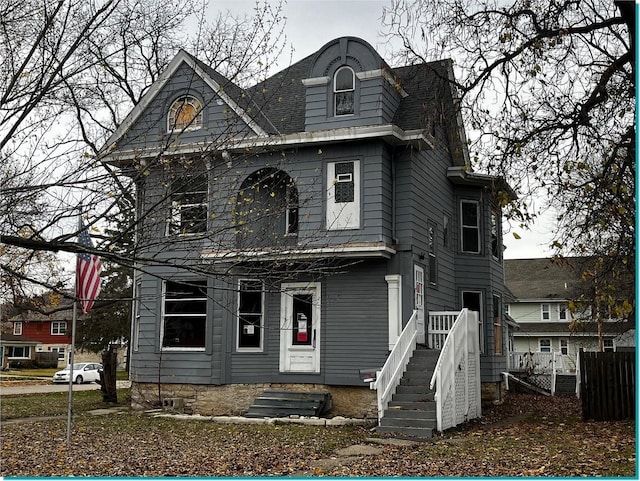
x=343, y=215
x=60, y=324
x=162, y=314
x=195, y=124
x=564, y=343
x=565, y=310
x=17, y=328
x=543, y=311
x=262, y=319
x=337, y=91
x=25, y=348
x=476, y=227
x=540, y=344
x=135, y=324
x=481, y=326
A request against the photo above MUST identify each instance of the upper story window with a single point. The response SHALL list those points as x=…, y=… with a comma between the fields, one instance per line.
x=495, y=235
x=266, y=209
x=344, y=88
x=470, y=225
x=58, y=328
x=17, y=328
x=562, y=312
x=189, y=206
x=184, y=314
x=343, y=195
x=546, y=312
x=185, y=113
x=446, y=231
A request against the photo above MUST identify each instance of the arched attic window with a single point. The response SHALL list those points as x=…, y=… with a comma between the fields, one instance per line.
x=344, y=88
x=185, y=113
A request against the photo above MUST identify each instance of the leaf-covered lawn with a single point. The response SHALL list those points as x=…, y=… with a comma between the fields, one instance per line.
x=525, y=436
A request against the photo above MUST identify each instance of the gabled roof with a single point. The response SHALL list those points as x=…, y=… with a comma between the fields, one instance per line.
x=276, y=106
x=542, y=278
x=226, y=89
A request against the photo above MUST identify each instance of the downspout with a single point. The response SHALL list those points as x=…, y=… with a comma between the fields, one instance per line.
x=393, y=197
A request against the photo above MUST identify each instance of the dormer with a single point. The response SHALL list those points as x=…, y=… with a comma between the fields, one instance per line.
x=347, y=85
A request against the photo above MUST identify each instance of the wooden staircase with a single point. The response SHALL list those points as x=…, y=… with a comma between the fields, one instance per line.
x=281, y=404
x=412, y=409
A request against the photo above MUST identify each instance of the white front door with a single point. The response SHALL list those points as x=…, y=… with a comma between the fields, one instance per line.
x=418, y=274
x=300, y=327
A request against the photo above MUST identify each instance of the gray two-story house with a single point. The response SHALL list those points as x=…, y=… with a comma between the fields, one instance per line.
x=287, y=231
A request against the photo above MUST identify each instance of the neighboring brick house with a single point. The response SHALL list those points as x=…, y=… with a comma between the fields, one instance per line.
x=314, y=212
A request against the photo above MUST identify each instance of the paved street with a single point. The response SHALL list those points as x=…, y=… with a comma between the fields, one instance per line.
x=21, y=388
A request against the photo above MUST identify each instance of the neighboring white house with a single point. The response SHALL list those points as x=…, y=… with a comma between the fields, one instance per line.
x=542, y=289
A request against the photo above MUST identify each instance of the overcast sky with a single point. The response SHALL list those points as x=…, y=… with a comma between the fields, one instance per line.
x=312, y=23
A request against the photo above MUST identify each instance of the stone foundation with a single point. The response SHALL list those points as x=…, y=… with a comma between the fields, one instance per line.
x=492, y=392
x=235, y=399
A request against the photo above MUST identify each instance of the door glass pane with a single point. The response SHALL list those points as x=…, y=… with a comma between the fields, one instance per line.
x=302, y=320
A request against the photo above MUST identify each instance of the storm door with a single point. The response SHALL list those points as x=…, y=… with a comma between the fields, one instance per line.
x=418, y=273
x=300, y=327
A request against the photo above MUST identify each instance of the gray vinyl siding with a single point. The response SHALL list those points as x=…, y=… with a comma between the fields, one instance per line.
x=481, y=272
x=354, y=332
x=152, y=363
x=150, y=130
x=356, y=323
x=375, y=104
x=307, y=166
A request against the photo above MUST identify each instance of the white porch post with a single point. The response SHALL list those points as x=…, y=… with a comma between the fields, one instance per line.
x=394, y=294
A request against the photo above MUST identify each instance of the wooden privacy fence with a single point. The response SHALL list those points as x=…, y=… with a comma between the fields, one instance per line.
x=607, y=385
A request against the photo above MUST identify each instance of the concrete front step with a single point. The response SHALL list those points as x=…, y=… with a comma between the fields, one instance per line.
x=408, y=423
x=420, y=405
x=403, y=389
x=423, y=433
x=428, y=412
x=423, y=397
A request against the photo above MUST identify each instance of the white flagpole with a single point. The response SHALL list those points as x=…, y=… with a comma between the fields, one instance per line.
x=73, y=348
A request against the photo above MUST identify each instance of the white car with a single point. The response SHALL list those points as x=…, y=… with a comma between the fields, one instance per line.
x=82, y=372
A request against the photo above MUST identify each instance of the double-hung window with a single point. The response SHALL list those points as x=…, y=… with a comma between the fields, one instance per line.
x=545, y=345
x=546, y=312
x=185, y=314
x=58, y=328
x=189, y=206
x=344, y=88
x=562, y=312
x=470, y=216
x=250, y=315
x=17, y=328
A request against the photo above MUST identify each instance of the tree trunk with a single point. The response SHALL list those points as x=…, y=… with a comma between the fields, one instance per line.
x=108, y=376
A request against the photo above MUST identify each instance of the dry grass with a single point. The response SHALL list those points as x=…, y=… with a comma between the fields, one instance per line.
x=525, y=436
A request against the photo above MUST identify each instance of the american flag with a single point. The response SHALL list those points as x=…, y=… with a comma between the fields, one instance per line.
x=87, y=273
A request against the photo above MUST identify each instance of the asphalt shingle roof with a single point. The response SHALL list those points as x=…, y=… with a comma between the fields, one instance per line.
x=541, y=278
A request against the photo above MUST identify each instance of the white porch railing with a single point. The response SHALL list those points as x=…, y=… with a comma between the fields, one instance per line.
x=457, y=374
x=440, y=323
x=388, y=378
x=540, y=362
